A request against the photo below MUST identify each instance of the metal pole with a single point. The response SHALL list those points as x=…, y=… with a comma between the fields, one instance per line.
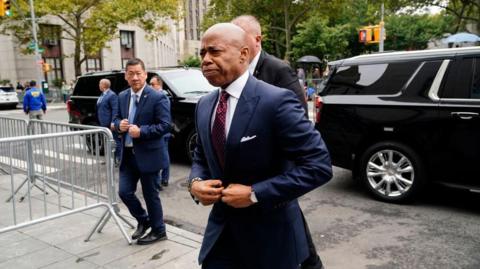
x=38, y=57
x=382, y=32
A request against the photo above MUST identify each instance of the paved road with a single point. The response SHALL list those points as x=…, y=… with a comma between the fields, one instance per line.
x=440, y=230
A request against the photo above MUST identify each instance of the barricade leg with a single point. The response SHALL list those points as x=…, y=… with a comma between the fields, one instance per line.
x=110, y=212
x=117, y=211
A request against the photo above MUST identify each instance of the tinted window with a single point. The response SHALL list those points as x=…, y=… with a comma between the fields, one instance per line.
x=7, y=89
x=421, y=83
x=188, y=82
x=371, y=79
x=87, y=86
x=463, y=79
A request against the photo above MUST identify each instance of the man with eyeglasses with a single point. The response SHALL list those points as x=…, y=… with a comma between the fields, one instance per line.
x=157, y=84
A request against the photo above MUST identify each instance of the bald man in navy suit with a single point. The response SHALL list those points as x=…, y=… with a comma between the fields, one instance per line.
x=256, y=154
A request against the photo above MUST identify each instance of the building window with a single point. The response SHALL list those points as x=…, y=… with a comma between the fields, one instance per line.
x=55, y=74
x=127, y=46
x=94, y=64
x=50, y=36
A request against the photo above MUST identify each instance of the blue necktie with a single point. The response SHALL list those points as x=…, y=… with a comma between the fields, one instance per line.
x=131, y=116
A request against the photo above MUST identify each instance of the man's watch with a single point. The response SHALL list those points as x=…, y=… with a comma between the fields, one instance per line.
x=191, y=183
x=253, y=197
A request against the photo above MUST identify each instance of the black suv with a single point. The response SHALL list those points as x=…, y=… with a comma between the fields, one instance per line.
x=184, y=86
x=401, y=120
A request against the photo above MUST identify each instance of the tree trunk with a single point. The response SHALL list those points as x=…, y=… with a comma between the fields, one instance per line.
x=287, y=31
x=78, y=45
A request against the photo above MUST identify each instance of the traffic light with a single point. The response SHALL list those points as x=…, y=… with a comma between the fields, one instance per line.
x=6, y=6
x=46, y=67
x=370, y=34
x=365, y=35
x=2, y=8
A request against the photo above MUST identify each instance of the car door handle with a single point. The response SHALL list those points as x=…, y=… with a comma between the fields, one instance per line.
x=464, y=115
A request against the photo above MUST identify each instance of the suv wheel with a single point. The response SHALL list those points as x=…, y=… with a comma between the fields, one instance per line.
x=392, y=171
x=190, y=144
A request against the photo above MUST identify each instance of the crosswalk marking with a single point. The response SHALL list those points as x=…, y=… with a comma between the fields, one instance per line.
x=68, y=158
x=23, y=164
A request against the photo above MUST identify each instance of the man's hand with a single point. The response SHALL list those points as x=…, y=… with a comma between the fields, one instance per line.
x=207, y=191
x=237, y=195
x=124, y=125
x=134, y=131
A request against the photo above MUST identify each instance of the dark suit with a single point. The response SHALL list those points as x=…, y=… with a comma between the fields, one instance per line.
x=107, y=108
x=275, y=149
x=141, y=162
x=276, y=72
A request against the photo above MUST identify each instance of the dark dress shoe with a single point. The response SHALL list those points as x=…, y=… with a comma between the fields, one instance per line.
x=141, y=230
x=165, y=184
x=152, y=237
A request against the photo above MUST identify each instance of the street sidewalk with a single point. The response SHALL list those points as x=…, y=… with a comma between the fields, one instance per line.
x=59, y=243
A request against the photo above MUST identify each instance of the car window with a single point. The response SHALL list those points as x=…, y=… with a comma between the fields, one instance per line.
x=7, y=89
x=188, y=82
x=462, y=79
x=385, y=78
x=87, y=86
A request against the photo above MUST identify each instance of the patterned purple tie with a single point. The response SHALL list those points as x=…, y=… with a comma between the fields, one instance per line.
x=218, y=130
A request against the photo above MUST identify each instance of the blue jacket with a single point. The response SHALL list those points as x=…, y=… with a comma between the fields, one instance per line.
x=154, y=120
x=34, y=100
x=107, y=108
x=274, y=148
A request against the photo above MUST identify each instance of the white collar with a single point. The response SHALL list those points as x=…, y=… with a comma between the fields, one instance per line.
x=253, y=64
x=236, y=87
x=139, y=93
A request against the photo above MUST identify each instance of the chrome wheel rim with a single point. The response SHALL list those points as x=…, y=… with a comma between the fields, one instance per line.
x=390, y=173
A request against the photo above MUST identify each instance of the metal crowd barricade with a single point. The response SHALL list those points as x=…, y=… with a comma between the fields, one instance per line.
x=77, y=164
x=93, y=144
x=11, y=127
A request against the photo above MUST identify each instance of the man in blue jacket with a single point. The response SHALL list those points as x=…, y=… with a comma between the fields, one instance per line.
x=143, y=119
x=107, y=109
x=256, y=154
x=34, y=103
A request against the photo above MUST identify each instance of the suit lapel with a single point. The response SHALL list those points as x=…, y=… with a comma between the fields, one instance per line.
x=241, y=119
x=126, y=107
x=261, y=59
x=204, y=119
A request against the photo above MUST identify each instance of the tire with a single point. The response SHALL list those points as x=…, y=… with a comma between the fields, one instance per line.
x=392, y=172
x=190, y=144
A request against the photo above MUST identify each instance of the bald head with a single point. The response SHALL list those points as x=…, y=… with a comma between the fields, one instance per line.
x=225, y=53
x=104, y=84
x=253, y=29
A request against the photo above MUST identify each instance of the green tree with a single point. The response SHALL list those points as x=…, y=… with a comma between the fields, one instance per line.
x=315, y=37
x=191, y=61
x=410, y=32
x=91, y=23
x=279, y=18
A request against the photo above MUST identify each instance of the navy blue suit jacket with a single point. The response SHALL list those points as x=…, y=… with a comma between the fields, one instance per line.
x=107, y=109
x=154, y=120
x=275, y=149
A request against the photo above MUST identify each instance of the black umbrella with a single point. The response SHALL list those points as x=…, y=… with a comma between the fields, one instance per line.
x=309, y=59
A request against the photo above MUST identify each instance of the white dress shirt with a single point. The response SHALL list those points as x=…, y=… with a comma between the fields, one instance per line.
x=234, y=90
x=253, y=64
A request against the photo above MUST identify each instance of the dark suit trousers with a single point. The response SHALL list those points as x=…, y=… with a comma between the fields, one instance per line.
x=224, y=254
x=129, y=176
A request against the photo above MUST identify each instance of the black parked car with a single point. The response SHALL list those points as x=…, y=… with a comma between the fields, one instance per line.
x=184, y=86
x=402, y=120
